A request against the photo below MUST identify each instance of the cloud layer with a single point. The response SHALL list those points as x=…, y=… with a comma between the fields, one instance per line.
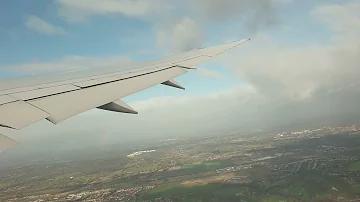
x=177, y=25
x=38, y=24
x=255, y=13
x=181, y=35
x=82, y=10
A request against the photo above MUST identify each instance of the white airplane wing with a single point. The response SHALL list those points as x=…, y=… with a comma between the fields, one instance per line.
x=60, y=96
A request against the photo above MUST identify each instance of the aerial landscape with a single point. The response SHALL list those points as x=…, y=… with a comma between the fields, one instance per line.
x=315, y=164
x=170, y=101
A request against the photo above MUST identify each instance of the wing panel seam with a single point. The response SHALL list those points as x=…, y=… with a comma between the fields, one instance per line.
x=127, y=77
x=100, y=83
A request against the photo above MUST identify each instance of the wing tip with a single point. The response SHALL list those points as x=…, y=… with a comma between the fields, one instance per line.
x=241, y=41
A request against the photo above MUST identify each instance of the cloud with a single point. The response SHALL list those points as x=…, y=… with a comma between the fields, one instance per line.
x=183, y=32
x=309, y=81
x=181, y=35
x=208, y=73
x=81, y=10
x=343, y=19
x=256, y=14
x=70, y=63
x=40, y=25
x=178, y=25
x=282, y=1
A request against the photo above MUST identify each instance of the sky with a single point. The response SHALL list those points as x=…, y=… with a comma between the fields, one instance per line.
x=301, y=66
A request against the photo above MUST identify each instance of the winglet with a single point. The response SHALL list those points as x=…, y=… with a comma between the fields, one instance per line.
x=118, y=106
x=6, y=142
x=173, y=83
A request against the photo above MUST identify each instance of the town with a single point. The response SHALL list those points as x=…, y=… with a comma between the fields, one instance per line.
x=244, y=166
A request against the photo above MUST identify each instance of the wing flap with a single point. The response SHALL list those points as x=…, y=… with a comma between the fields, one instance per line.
x=20, y=114
x=79, y=101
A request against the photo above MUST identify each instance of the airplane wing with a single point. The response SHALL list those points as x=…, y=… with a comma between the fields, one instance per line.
x=58, y=97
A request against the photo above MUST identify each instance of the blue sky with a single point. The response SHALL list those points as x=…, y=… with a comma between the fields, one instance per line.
x=104, y=35
x=101, y=35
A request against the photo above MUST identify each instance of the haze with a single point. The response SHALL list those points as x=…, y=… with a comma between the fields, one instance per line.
x=301, y=67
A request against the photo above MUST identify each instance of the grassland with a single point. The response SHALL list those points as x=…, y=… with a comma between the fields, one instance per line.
x=303, y=187
x=206, y=166
x=355, y=167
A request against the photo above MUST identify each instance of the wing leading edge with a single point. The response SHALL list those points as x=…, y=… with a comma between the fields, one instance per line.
x=28, y=100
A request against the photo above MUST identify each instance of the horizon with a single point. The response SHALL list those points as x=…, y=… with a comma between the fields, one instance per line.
x=299, y=69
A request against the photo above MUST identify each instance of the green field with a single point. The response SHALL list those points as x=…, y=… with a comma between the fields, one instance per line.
x=206, y=166
x=212, y=192
x=276, y=199
x=355, y=167
x=209, y=192
x=302, y=187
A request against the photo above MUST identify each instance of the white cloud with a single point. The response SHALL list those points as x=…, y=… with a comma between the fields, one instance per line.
x=306, y=73
x=80, y=10
x=208, y=73
x=181, y=35
x=40, y=25
x=343, y=19
x=178, y=24
x=255, y=14
x=282, y=1
x=183, y=29
x=340, y=17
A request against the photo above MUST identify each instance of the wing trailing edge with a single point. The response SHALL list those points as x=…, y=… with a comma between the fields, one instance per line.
x=19, y=114
x=6, y=143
